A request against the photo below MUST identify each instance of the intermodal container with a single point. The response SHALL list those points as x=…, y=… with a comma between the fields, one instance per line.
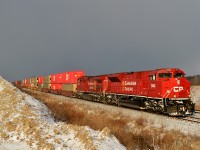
x=69, y=87
x=33, y=85
x=19, y=82
x=23, y=81
x=26, y=81
x=33, y=80
x=56, y=86
x=40, y=86
x=40, y=80
x=56, y=78
x=46, y=86
x=47, y=79
x=71, y=77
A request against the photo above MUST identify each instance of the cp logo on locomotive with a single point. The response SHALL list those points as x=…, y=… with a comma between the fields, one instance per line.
x=178, y=88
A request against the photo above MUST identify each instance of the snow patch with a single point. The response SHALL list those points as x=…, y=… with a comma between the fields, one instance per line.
x=1, y=88
x=14, y=146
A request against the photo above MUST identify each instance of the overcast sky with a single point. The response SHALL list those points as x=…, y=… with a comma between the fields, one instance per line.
x=39, y=37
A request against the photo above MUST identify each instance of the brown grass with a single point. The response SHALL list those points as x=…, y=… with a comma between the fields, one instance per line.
x=197, y=107
x=139, y=137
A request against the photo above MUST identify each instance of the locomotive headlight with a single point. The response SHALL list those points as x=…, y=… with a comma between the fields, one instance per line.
x=174, y=96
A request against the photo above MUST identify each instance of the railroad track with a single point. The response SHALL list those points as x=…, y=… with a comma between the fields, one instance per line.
x=197, y=111
x=192, y=119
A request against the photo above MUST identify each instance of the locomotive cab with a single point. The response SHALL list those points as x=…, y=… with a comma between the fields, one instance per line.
x=174, y=84
x=169, y=92
x=175, y=92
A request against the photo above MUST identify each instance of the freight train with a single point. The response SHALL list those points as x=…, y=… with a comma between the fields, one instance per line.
x=164, y=90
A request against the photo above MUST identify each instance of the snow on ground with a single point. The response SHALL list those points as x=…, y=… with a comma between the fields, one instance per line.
x=27, y=124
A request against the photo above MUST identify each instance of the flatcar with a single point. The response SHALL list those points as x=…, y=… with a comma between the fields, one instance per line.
x=164, y=90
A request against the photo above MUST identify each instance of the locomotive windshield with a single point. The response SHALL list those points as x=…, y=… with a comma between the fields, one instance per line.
x=178, y=75
x=165, y=75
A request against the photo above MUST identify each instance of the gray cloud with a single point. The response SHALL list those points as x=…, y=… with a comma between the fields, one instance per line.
x=43, y=37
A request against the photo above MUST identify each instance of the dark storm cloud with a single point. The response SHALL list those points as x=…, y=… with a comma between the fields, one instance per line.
x=41, y=37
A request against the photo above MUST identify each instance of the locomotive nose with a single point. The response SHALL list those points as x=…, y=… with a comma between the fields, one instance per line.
x=180, y=89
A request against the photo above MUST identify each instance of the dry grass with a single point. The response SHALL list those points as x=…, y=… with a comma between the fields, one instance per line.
x=197, y=107
x=138, y=137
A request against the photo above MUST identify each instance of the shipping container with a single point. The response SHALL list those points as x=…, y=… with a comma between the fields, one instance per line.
x=23, y=85
x=33, y=85
x=26, y=81
x=33, y=80
x=18, y=83
x=23, y=81
x=40, y=86
x=40, y=80
x=71, y=77
x=56, y=78
x=28, y=85
x=69, y=87
x=47, y=79
x=56, y=86
x=46, y=86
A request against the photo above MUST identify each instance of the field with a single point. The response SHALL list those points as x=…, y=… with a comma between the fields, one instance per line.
x=133, y=132
x=195, y=94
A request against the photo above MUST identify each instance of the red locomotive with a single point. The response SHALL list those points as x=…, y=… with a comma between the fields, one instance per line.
x=163, y=90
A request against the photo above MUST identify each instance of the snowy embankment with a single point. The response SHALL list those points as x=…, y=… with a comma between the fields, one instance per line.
x=27, y=124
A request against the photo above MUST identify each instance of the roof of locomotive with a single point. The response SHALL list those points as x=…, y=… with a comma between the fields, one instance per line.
x=160, y=70
x=166, y=70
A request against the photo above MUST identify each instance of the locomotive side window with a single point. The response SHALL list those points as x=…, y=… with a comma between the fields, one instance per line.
x=178, y=75
x=165, y=75
x=99, y=81
x=152, y=77
x=114, y=79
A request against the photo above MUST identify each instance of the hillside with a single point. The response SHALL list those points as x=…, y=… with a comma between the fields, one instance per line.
x=26, y=123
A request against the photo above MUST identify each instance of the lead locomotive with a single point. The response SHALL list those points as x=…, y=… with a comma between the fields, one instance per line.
x=163, y=90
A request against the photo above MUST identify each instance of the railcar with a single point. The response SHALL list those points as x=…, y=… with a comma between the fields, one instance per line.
x=163, y=90
x=61, y=83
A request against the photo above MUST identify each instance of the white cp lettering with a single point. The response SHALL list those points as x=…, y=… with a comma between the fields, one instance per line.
x=178, y=89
